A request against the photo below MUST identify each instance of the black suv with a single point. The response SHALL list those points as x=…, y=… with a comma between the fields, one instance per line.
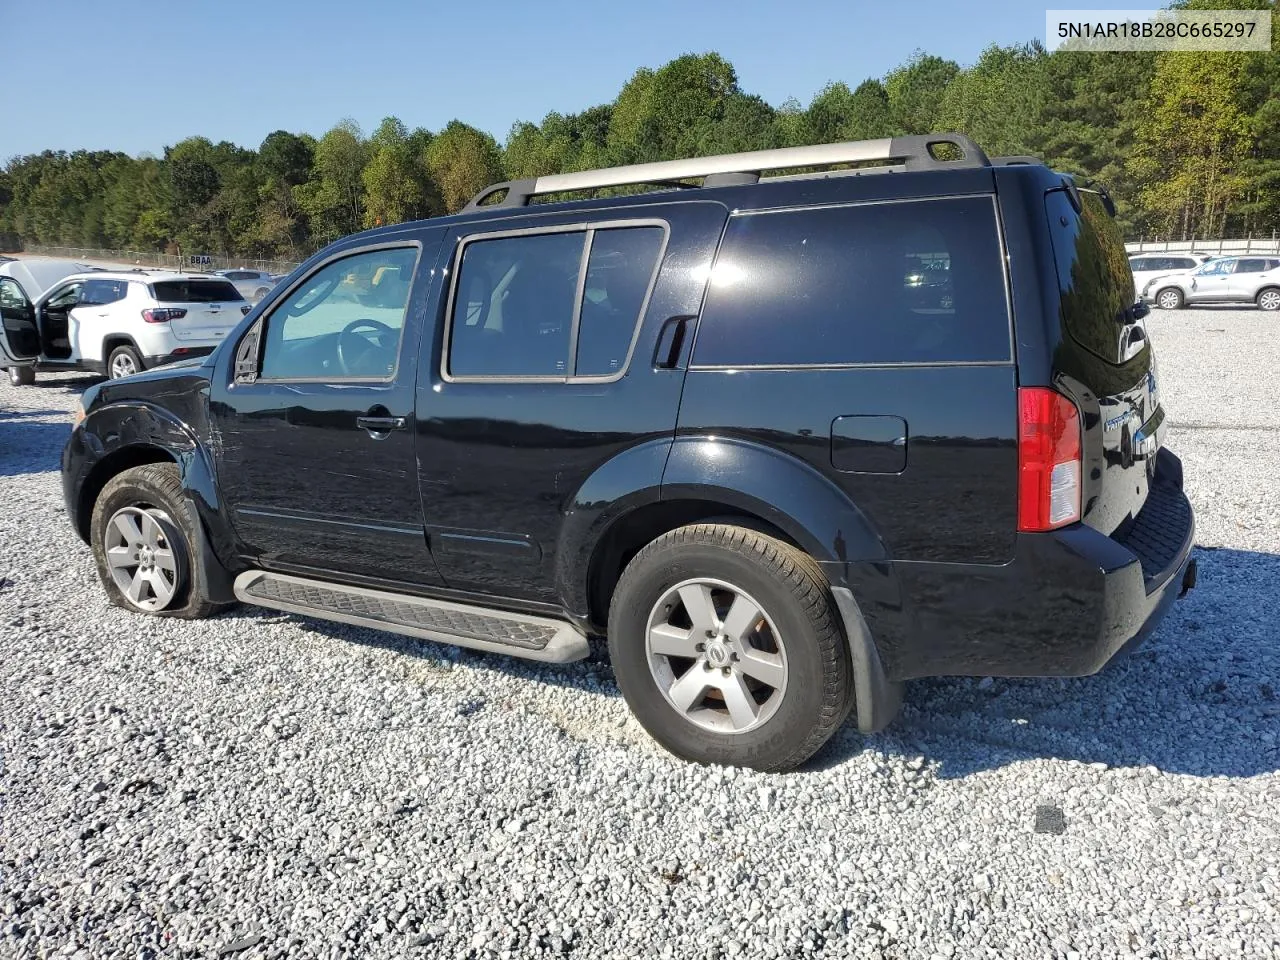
x=786, y=442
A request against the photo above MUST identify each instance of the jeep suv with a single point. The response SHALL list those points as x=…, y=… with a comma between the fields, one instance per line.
x=786, y=442
x=115, y=323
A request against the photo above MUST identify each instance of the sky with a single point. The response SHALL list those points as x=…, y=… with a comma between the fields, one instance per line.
x=137, y=76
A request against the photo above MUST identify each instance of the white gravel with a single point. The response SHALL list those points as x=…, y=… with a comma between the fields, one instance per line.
x=262, y=785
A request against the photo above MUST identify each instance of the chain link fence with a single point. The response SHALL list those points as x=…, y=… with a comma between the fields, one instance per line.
x=146, y=258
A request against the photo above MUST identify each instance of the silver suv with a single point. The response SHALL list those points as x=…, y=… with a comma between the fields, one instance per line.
x=1222, y=280
x=252, y=284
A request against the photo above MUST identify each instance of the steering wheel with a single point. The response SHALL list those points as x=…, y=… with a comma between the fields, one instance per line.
x=348, y=333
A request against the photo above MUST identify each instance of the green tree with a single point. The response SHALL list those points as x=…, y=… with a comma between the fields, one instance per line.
x=1192, y=142
x=333, y=197
x=915, y=92
x=462, y=161
x=394, y=182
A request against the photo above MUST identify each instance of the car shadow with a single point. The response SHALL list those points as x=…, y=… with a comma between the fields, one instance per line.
x=67, y=384
x=1201, y=697
x=31, y=441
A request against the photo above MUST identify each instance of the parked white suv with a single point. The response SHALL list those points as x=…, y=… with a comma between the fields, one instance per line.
x=116, y=323
x=1145, y=266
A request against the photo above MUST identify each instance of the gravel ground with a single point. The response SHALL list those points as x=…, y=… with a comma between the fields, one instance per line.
x=261, y=785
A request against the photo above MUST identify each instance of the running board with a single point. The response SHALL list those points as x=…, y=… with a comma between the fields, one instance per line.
x=478, y=628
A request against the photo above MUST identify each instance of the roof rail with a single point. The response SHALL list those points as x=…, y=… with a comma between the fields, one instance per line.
x=1017, y=161
x=913, y=153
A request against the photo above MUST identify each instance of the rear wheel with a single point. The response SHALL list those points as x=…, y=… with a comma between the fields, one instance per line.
x=22, y=376
x=123, y=362
x=1269, y=299
x=1170, y=298
x=144, y=544
x=260, y=293
x=728, y=649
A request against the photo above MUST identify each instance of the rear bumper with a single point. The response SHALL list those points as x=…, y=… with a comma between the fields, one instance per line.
x=1066, y=604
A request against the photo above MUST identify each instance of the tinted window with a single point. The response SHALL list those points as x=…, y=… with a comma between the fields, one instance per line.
x=194, y=291
x=1094, y=279
x=102, y=292
x=344, y=321
x=620, y=268
x=1182, y=263
x=906, y=282
x=1145, y=263
x=1251, y=265
x=514, y=306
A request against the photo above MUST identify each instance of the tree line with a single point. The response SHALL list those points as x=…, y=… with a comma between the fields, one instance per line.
x=1188, y=144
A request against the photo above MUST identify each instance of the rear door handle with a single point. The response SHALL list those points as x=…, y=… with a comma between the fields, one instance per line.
x=666, y=356
x=382, y=425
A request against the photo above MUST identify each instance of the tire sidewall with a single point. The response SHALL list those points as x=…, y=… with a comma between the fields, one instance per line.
x=1270, y=290
x=132, y=490
x=20, y=376
x=1170, y=306
x=640, y=588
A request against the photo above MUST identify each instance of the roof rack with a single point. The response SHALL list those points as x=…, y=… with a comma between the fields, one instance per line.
x=911, y=153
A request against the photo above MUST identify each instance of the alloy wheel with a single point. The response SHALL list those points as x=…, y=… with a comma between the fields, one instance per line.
x=716, y=655
x=144, y=556
x=122, y=365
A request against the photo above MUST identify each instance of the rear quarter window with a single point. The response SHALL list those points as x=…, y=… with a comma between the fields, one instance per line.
x=881, y=283
x=194, y=291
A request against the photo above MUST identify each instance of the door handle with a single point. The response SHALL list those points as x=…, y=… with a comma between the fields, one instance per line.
x=380, y=425
x=671, y=341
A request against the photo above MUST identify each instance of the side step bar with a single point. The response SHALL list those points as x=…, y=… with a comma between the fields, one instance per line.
x=478, y=628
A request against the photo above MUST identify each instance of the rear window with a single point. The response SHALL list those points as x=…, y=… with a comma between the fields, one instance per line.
x=1094, y=278
x=194, y=291
x=878, y=283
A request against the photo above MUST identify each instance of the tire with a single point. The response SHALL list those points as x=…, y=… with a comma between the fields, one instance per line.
x=1268, y=299
x=123, y=362
x=1170, y=298
x=22, y=376
x=795, y=625
x=260, y=293
x=149, y=499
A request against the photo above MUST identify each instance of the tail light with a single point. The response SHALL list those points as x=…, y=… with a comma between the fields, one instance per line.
x=1048, y=460
x=163, y=314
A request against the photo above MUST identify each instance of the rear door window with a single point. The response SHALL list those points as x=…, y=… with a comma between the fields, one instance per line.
x=620, y=270
x=1251, y=265
x=558, y=305
x=194, y=291
x=904, y=282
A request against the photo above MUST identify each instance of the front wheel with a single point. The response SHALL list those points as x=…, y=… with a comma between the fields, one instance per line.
x=728, y=649
x=1170, y=298
x=145, y=545
x=1269, y=299
x=22, y=376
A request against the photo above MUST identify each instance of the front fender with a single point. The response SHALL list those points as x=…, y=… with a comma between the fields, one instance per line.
x=778, y=488
x=112, y=438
